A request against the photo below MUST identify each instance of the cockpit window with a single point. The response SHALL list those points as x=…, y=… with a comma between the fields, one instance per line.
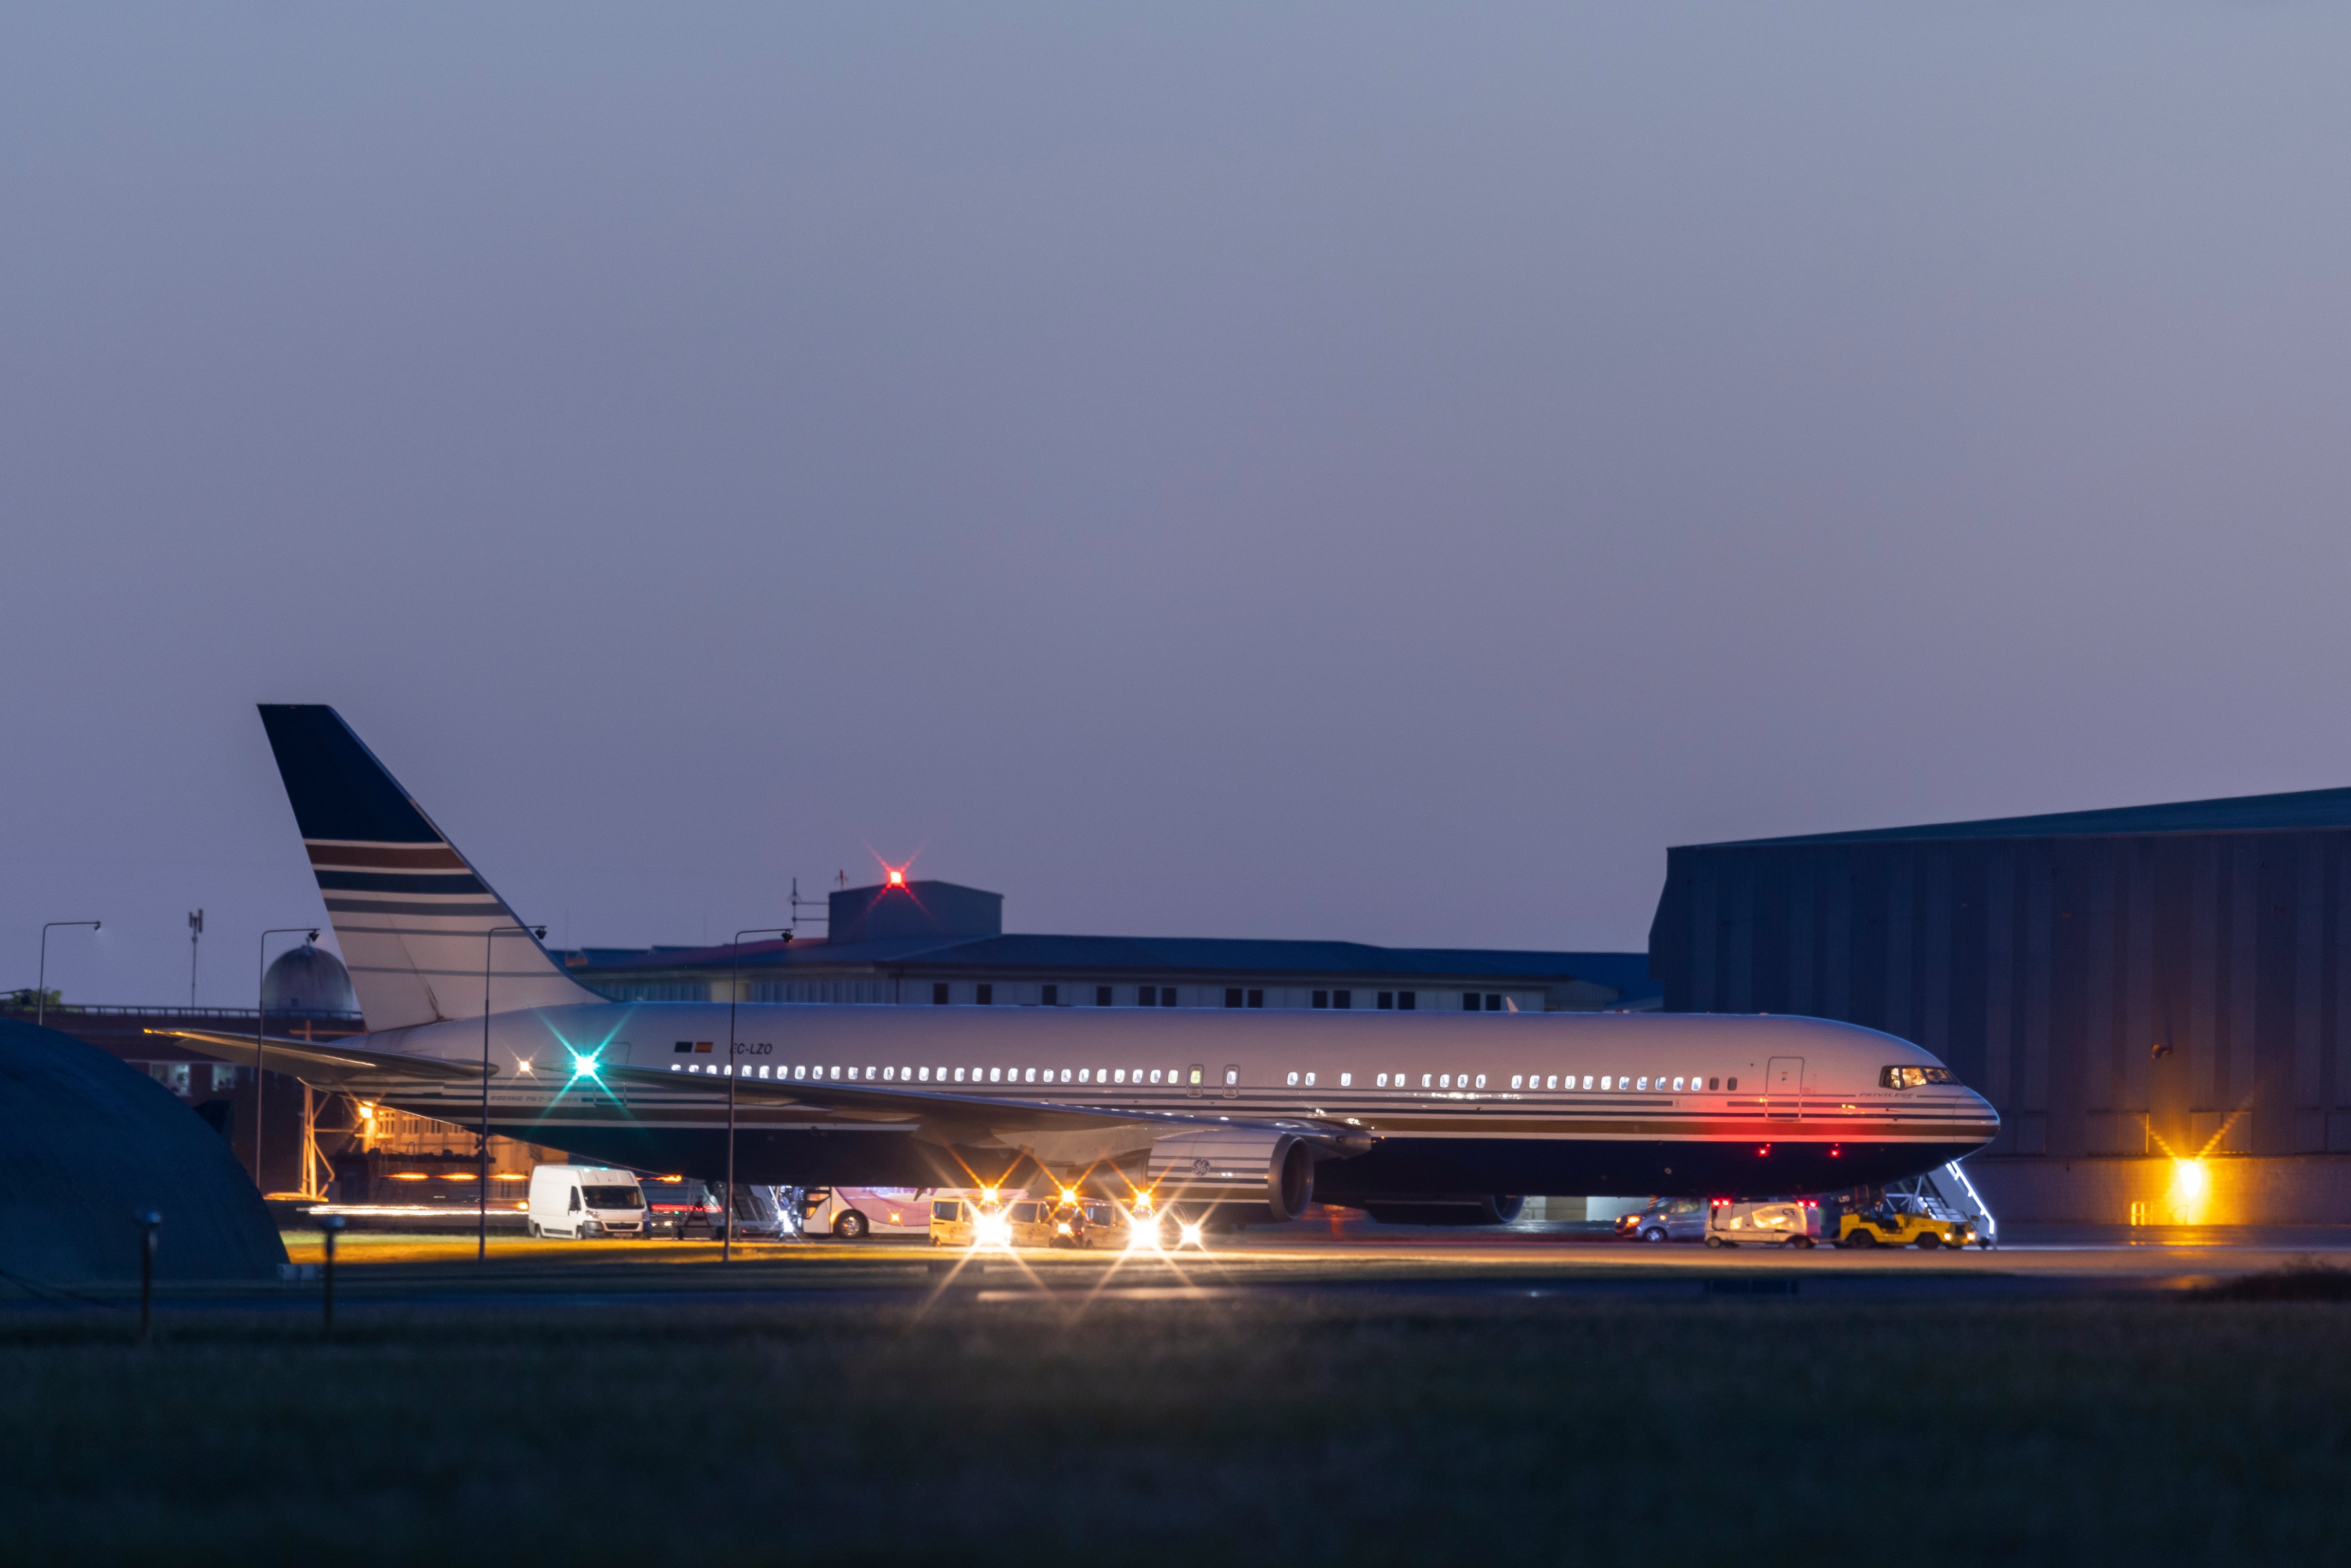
x=1915, y=1077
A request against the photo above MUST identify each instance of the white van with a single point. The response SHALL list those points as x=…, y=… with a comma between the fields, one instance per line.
x=581, y=1201
x=1777, y=1222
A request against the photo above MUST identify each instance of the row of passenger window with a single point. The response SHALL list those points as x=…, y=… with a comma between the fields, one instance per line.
x=1174, y=1077
x=1090, y=1075
x=1639, y=1085
x=1608, y=1083
x=983, y=994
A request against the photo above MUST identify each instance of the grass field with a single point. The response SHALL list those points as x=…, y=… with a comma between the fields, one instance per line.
x=1371, y=1428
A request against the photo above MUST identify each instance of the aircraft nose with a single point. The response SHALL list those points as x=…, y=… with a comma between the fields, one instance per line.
x=1983, y=1108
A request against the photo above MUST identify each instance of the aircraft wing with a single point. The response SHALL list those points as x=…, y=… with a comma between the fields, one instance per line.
x=947, y=1118
x=327, y=1062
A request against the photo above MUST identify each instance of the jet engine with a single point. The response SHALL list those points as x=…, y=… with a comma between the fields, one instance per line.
x=1243, y=1168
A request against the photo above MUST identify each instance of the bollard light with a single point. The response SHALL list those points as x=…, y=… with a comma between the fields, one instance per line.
x=150, y=1222
x=332, y=1224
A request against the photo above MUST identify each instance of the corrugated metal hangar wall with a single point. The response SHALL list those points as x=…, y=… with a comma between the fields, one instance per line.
x=2129, y=988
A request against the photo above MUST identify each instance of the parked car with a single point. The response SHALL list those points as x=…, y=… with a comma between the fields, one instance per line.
x=679, y=1207
x=1667, y=1219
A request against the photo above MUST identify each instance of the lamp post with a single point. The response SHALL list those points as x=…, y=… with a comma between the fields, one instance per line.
x=734, y=994
x=41, y=983
x=482, y=1178
x=261, y=1036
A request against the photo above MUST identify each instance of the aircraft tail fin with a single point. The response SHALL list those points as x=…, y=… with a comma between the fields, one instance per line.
x=409, y=914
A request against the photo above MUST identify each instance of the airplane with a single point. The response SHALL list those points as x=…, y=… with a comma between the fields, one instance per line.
x=1246, y=1115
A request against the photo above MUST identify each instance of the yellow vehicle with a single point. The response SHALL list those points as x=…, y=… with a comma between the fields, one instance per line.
x=1084, y=1221
x=1904, y=1220
x=1002, y=1219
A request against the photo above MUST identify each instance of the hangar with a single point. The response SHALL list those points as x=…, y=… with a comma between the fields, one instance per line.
x=2153, y=997
x=937, y=944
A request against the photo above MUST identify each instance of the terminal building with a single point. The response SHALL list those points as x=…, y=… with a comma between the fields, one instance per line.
x=2156, y=999
x=937, y=943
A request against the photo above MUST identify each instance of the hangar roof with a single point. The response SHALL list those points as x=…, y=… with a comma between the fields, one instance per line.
x=2301, y=811
x=1121, y=955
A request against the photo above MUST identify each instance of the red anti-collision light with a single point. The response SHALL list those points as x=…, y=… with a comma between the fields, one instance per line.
x=897, y=879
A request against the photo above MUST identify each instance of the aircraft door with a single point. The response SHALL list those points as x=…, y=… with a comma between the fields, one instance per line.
x=1782, y=1087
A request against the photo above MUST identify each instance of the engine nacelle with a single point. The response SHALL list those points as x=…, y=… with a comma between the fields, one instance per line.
x=1238, y=1167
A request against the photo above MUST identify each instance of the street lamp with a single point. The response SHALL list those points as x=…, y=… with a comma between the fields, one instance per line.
x=41, y=983
x=482, y=1180
x=734, y=994
x=261, y=1036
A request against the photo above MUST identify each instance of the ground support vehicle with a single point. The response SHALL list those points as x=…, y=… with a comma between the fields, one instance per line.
x=1005, y=1219
x=1667, y=1219
x=1904, y=1220
x=679, y=1207
x=584, y=1201
x=1084, y=1222
x=1779, y=1222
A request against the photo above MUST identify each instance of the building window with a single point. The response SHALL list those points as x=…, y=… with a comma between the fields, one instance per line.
x=1342, y=998
x=1469, y=1002
x=1321, y=999
x=1146, y=996
x=1232, y=995
x=1257, y=999
x=938, y=993
x=1387, y=1002
x=1102, y=996
x=1050, y=996
x=1166, y=996
x=1407, y=1001
x=987, y=995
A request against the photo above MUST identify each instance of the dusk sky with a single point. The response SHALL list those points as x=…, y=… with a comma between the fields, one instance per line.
x=1254, y=470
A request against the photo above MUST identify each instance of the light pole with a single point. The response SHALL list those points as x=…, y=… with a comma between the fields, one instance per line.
x=734, y=994
x=261, y=1036
x=195, y=931
x=482, y=1178
x=41, y=982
